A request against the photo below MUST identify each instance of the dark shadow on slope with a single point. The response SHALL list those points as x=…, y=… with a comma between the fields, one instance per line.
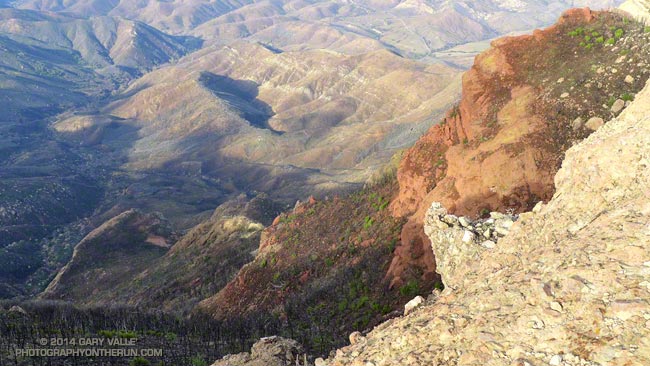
x=242, y=96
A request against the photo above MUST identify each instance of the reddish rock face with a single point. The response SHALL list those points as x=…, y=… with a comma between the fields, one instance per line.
x=500, y=148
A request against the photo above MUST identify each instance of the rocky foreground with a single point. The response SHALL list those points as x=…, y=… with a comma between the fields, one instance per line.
x=567, y=286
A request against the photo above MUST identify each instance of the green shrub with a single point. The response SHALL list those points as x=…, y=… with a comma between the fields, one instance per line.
x=611, y=41
x=439, y=285
x=367, y=222
x=627, y=97
x=360, y=302
x=139, y=361
x=410, y=289
x=107, y=333
x=611, y=101
x=198, y=361
x=619, y=33
x=600, y=39
x=126, y=334
x=392, y=245
x=343, y=305
x=646, y=29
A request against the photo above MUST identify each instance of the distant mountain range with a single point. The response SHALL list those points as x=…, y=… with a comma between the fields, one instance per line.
x=177, y=107
x=274, y=159
x=413, y=28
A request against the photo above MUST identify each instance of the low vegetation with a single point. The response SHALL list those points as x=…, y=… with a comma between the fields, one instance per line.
x=183, y=341
x=322, y=268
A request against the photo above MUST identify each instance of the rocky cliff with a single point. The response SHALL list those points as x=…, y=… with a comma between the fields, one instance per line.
x=525, y=102
x=567, y=286
x=638, y=8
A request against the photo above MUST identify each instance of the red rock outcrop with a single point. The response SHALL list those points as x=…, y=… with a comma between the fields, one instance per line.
x=500, y=148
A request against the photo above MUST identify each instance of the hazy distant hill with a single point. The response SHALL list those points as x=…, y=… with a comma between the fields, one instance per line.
x=174, y=15
x=102, y=41
x=414, y=28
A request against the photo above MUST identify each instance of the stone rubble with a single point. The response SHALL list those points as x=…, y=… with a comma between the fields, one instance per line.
x=463, y=235
x=269, y=351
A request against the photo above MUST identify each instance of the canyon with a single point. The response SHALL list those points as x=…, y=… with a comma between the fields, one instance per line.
x=277, y=163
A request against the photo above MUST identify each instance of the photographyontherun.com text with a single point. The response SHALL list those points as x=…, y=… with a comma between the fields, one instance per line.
x=86, y=347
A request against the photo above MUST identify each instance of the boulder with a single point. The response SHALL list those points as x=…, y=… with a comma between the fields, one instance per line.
x=595, y=123
x=269, y=351
x=17, y=310
x=618, y=106
x=413, y=304
x=577, y=124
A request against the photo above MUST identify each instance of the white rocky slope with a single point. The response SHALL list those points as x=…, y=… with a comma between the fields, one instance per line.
x=638, y=8
x=569, y=285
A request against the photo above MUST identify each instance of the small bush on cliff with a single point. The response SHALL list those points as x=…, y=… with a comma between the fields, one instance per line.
x=367, y=222
x=577, y=32
x=410, y=289
x=439, y=286
x=199, y=361
x=619, y=33
x=627, y=97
